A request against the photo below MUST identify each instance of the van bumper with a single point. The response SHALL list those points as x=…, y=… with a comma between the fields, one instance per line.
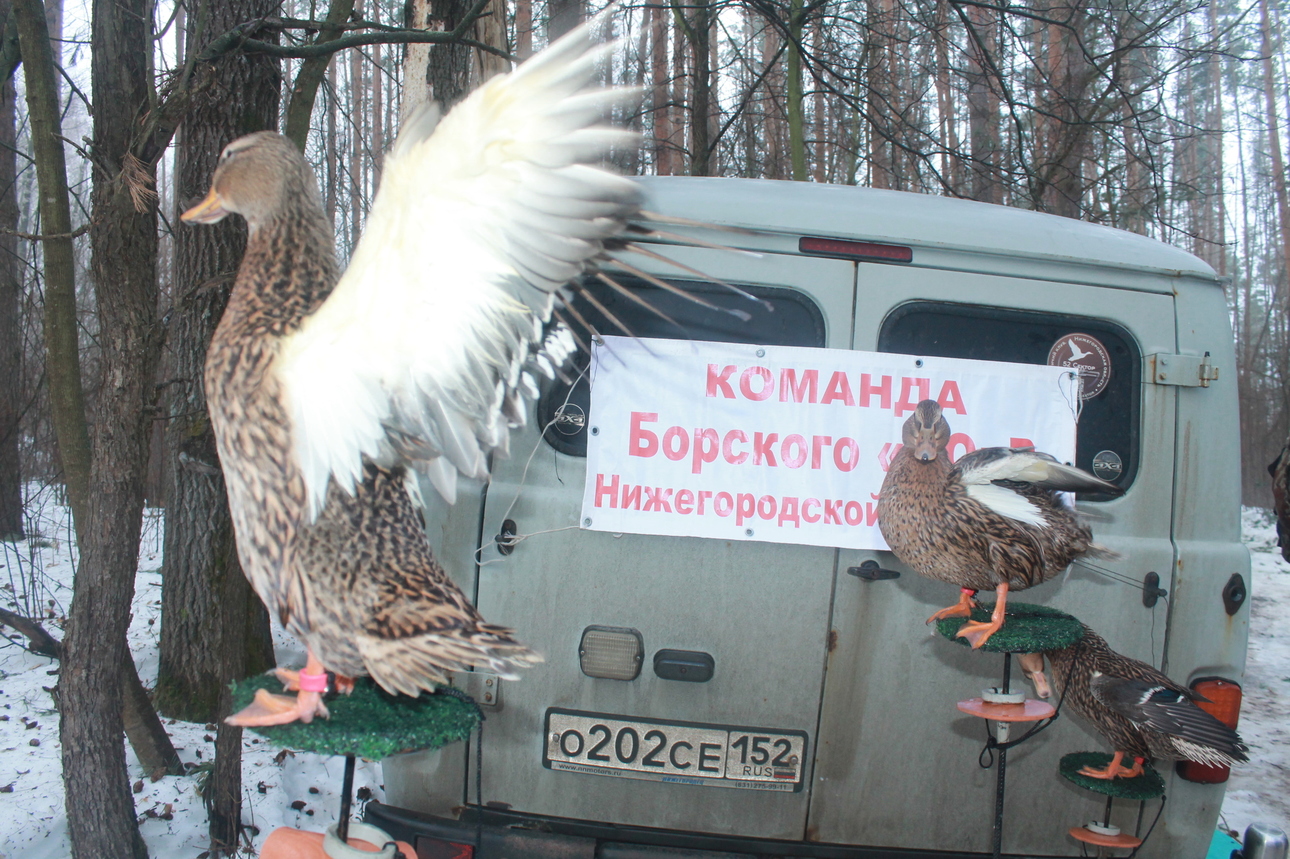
x=495, y=834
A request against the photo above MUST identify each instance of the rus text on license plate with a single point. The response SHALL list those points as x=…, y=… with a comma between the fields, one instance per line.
x=679, y=752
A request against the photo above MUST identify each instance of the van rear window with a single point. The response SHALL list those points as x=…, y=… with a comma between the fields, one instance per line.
x=792, y=319
x=1108, y=426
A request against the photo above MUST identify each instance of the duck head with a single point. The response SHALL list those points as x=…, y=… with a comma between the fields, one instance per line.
x=926, y=433
x=259, y=177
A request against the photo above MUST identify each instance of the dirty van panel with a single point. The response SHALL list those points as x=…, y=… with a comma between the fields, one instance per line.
x=890, y=688
x=751, y=618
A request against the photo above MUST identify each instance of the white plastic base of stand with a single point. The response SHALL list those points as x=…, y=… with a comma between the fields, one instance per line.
x=337, y=849
x=1102, y=828
x=994, y=696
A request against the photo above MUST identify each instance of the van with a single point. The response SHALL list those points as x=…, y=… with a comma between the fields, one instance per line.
x=816, y=658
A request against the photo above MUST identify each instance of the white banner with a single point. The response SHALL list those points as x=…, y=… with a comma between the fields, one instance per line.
x=787, y=444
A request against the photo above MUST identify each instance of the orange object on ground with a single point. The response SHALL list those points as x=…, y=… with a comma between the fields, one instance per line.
x=287, y=843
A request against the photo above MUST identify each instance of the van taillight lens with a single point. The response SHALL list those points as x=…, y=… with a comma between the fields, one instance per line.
x=1224, y=704
x=437, y=848
x=872, y=251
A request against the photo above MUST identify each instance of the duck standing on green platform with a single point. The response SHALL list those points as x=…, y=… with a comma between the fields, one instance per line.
x=326, y=390
x=992, y=521
x=1143, y=713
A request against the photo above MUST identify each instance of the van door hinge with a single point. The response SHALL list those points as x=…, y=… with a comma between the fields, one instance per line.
x=1187, y=371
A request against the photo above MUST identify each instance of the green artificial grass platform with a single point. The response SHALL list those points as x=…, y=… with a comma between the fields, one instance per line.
x=1026, y=628
x=370, y=722
x=1149, y=785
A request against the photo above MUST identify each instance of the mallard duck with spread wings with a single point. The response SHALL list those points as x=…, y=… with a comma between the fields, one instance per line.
x=327, y=390
x=1143, y=713
x=992, y=521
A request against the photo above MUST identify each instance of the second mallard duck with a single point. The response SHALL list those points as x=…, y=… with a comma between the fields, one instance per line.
x=992, y=521
x=1142, y=712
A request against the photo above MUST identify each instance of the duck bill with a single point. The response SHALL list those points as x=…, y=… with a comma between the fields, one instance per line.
x=925, y=450
x=1032, y=664
x=208, y=211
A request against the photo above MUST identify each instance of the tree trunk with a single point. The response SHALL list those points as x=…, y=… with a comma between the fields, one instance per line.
x=983, y=105
x=11, y=407
x=448, y=70
x=1062, y=174
x=793, y=97
x=563, y=16
x=523, y=29
x=305, y=89
x=661, y=90
x=63, y=363
x=123, y=235
x=491, y=30
x=213, y=628
x=696, y=30
x=1278, y=161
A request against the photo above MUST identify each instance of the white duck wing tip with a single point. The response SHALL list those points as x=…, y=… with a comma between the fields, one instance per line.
x=1005, y=502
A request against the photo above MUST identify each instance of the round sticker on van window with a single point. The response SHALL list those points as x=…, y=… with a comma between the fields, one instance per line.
x=1087, y=356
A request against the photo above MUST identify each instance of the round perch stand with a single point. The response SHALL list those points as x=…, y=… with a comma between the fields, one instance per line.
x=368, y=723
x=1104, y=835
x=1026, y=629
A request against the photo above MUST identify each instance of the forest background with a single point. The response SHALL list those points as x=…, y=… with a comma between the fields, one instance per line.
x=1162, y=117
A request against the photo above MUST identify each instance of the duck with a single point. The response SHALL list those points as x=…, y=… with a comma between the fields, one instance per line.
x=993, y=520
x=330, y=391
x=1141, y=712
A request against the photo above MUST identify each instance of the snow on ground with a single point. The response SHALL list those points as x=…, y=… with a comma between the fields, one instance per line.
x=293, y=789
x=1259, y=791
x=302, y=790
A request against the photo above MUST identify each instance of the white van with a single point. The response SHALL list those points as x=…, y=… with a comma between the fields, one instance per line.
x=803, y=646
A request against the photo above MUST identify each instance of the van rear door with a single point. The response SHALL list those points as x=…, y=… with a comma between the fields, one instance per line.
x=760, y=611
x=897, y=764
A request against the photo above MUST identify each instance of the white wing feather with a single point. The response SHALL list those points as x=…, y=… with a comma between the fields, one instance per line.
x=481, y=216
x=1005, y=502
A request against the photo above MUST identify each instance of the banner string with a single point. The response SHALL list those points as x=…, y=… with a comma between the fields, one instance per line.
x=1073, y=391
x=524, y=476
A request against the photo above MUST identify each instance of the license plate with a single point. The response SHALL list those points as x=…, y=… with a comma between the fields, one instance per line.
x=677, y=752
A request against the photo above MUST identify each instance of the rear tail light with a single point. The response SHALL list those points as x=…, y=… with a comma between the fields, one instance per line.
x=1224, y=704
x=872, y=251
x=613, y=653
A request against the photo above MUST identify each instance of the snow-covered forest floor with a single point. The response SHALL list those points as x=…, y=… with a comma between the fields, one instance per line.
x=301, y=790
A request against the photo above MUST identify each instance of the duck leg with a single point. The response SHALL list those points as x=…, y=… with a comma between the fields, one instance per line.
x=291, y=680
x=962, y=608
x=1115, y=769
x=978, y=632
x=269, y=709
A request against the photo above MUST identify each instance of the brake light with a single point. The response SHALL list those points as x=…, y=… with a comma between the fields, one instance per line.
x=437, y=848
x=873, y=251
x=1224, y=704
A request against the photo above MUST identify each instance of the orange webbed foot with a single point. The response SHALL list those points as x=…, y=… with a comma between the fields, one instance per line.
x=977, y=632
x=1115, y=769
x=962, y=608
x=269, y=709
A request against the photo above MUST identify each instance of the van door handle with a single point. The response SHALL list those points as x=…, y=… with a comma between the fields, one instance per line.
x=871, y=572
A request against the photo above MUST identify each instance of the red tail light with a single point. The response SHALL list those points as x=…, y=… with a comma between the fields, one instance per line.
x=844, y=249
x=1224, y=704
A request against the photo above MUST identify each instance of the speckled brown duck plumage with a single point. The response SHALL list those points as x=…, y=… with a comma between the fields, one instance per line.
x=991, y=521
x=1141, y=712
x=325, y=388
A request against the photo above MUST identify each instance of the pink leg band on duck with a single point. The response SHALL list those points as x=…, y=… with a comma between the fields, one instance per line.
x=313, y=682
